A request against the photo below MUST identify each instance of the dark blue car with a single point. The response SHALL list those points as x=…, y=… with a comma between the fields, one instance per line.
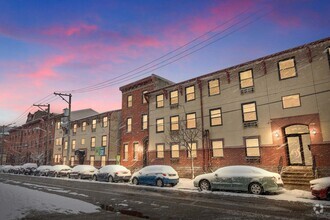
x=156, y=175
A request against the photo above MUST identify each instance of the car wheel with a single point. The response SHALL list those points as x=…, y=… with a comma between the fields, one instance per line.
x=159, y=183
x=135, y=181
x=55, y=175
x=204, y=185
x=95, y=178
x=110, y=179
x=255, y=188
x=79, y=176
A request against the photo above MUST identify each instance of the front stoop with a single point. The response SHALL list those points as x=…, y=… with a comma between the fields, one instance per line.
x=297, y=177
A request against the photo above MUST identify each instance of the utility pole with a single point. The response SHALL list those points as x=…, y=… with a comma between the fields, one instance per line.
x=48, y=114
x=62, y=95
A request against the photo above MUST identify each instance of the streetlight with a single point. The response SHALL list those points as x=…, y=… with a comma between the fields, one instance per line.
x=3, y=139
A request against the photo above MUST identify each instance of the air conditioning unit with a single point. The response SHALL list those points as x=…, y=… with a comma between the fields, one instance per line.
x=247, y=90
x=250, y=124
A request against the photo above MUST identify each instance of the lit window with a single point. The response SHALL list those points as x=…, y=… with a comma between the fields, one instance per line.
x=215, y=117
x=65, y=145
x=129, y=101
x=55, y=159
x=73, y=144
x=58, y=158
x=191, y=120
x=83, y=141
x=129, y=125
x=105, y=122
x=102, y=161
x=193, y=148
x=174, y=123
x=217, y=148
x=104, y=141
x=92, y=159
x=246, y=79
x=58, y=125
x=214, y=87
x=64, y=160
x=125, y=152
x=190, y=93
x=160, y=101
x=160, y=125
x=93, y=140
x=83, y=127
x=160, y=150
x=252, y=147
x=72, y=161
x=94, y=125
x=249, y=112
x=144, y=100
x=74, y=128
x=135, y=151
x=175, y=152
x=287, y=69
x=144, y=122
x=174, y=97
x=291, y=101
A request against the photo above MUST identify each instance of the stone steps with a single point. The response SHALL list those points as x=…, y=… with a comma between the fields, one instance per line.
x=297, y=177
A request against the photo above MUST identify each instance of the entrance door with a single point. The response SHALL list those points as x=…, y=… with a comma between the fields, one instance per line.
x=298, y=139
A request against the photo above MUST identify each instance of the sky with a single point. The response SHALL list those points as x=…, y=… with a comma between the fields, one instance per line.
x=91, y=48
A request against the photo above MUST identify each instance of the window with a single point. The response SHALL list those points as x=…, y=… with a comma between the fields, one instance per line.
x=92, y=159
x=160, y=125
x=287, y=68
x=215, y=117
x=175, y=152
x=160, y=101
x=59, y=158
x=190, y=93
x=125, y=152
x=58, y=125
x=252, y=147
x=246, y=79
x=217, y=148
x=93, y=140
x=191, y=120
x=160, y=150
x=174, y=97
x=105, y=122
x=129, y=125
x=135, y=151
x=214, y=87
x=144, y=100
x=64, y=160
x=94, y=125
x=144, y=122
x=72, y=161
x=291, y=101
x=174, y=123
x=129, y=101
x=58, y=141
x=193, y=148
x=73, y=144
x=102, y=161
x=104, y=141
x=65, y=145
x=74, y=128
x=249, y=112
x=83, y=127
x=55, y=158
x=83, y=141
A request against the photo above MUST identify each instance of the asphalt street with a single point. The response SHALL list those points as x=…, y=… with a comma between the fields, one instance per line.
x=125, y=201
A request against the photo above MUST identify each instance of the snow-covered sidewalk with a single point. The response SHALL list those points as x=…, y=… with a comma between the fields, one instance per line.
x=17, y=202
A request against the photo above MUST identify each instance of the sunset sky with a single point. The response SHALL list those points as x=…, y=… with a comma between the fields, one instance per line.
x=48, y=46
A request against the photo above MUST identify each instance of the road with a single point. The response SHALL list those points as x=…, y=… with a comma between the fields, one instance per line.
x=125, y=201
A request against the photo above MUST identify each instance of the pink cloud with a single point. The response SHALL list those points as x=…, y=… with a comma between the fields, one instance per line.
x=69, y=31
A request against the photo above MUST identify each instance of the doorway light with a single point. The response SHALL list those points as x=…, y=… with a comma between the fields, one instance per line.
x=314, y=131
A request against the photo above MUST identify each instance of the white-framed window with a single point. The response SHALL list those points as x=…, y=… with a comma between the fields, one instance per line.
x=72, y=161
x=214, y=87
x=73, y=144
x=249, y=111
x=129, y=101
x=287, y=68
x=174, y=123
x=174, y=97
x=190, y=93
x=65, y=145
x=193, y=148
x=217, y=148
x=215, y=117
x=129, y=125
x=252, y=147
x=175, y=151
x=160, y=101
x=135, y=151
x=74, y=128
x=55, y=158
x=291, y=101
x=83, y=140
x=94, y=125
x=191, y=120
x=160, y=125
x=103, y=161
x=160, y=150
x=64, y=160
x=246, y=79
x=144, y=100
x=92, y=160
x=58, y=125
x=144, y=122
x=93, y=141
x=125, y=152
x=105, y=121
x=104, y=141
x=83, y=126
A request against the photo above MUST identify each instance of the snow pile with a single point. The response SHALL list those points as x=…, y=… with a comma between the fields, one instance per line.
x=17, y=202
x=321, y=183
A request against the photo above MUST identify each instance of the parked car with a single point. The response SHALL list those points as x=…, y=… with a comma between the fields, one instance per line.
x=113, y=173
x=6, y=168
x=240, y=178
x=321, y=188
x=29, y=168
x=59, y=170
x=83, y=172
x=17, y=169
x=42, y=170
x=158, y=175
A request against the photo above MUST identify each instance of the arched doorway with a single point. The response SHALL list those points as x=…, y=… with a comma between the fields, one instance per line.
x=298, y=141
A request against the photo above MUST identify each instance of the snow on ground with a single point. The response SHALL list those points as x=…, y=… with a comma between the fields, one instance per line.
x=16, y=202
